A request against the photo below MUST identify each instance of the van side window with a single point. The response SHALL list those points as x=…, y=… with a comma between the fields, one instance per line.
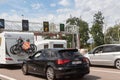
x=46, y=46
x=58, y=46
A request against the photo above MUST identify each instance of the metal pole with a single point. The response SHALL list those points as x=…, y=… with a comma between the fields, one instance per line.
x=118, y=36
x=73, y=41
x=78, y=41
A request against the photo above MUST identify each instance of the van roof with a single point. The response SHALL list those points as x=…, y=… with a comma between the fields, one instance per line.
x=47, y=41
x=6, y=32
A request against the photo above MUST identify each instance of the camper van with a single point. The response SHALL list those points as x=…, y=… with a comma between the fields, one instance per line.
x=51, y=44
x=11, y=51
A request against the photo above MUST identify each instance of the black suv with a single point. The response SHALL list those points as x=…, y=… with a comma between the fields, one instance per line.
x=56, y=63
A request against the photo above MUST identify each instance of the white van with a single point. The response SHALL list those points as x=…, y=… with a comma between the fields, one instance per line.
x=8, y=46
x=51, y=44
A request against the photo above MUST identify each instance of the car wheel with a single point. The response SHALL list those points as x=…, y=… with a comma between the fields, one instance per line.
x=25, y=69
x=82, y=75
x=50, y=73
x=117, y=63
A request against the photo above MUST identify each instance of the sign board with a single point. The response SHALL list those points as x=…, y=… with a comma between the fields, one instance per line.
x=25, y=25
x=2, y=23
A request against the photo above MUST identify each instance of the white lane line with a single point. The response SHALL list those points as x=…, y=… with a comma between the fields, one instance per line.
x=6, y=77
x=106, y=71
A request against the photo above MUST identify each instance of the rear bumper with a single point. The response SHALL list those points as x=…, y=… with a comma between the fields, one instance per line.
x=60, y=73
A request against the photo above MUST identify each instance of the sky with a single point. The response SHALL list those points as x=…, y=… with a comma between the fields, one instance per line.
x=58, y=11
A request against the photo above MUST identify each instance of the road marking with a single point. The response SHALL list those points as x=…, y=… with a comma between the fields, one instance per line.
x=106, y=71
x=6, y=77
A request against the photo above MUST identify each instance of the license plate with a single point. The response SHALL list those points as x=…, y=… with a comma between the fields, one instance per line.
x=76, y=62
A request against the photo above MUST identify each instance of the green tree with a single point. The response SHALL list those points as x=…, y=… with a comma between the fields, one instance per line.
x=112, y=34
x=84, y=33
x=83, y=30
x=97, y=29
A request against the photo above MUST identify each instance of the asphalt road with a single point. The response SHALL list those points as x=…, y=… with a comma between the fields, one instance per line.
x=96, y=73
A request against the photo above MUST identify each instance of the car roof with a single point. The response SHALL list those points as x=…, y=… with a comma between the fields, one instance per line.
x=55, y=49
x=110, y=45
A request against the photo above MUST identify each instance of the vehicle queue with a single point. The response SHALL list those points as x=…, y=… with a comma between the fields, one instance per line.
x=52, y=59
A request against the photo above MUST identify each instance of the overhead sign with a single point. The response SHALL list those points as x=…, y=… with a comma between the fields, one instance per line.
x=25, y=25
x=62, y=27
x=46, y=26
x=2, y=23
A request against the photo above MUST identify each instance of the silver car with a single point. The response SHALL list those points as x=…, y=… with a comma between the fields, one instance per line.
x=108, y=54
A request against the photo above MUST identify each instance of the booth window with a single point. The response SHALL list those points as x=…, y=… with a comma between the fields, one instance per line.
x=58, y=46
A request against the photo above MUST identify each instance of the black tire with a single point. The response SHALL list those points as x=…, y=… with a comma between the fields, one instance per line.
x=82, y=75
x=117, y=64
x=12, y=49
x=50, y=74
x=15, y=49
x=1, y=65
x=33, y=47
x=25, y=69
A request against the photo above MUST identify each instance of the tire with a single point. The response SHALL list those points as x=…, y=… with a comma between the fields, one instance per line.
x=82, y=75
x=25, y=69
x=50, y=74
x=1, y=65
x=117, y=63
x=33, y=47
x=15, y=50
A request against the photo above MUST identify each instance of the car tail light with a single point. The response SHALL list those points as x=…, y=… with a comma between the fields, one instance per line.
x=8, y=58
x=85, y=60
x=62, y=61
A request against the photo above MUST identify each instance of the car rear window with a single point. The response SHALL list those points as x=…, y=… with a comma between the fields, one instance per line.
x=68, y=54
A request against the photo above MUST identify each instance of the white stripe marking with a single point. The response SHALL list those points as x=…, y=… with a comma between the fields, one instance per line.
x=106, y=71
x=6, y=77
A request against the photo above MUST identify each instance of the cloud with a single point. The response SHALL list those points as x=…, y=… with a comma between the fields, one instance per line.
x=109, y=8
x=36, y=6
x=53, y=5
x=64, y=2
x=64, y=10
x=84, y=8
x=3, y=1
x=13, y=17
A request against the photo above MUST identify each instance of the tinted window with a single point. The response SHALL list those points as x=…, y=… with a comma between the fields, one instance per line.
x=45, y=46
x=38, y=55
x=50, y=54
x=58, y=46
x=69, y=54
x=117, y=48
x=98, y=50
x=108, y=49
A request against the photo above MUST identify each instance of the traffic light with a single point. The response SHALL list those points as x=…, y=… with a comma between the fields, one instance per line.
x=62, y=27
x=46, y=26
x=2, y=23
x=25, y=25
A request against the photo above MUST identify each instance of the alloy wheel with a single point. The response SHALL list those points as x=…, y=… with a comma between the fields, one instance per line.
x=24, y=69
x=117, y=64
x=50, y=74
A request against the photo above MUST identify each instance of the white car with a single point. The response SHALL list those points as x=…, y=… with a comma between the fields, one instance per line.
x=108, y=54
